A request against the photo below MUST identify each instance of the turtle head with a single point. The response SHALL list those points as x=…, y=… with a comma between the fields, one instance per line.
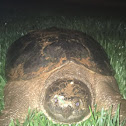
x=67, y=101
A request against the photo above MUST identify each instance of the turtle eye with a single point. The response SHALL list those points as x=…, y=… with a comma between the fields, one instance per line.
x=77, y=103
x=56, y=100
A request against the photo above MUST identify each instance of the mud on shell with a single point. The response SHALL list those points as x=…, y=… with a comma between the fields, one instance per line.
x=42, y=51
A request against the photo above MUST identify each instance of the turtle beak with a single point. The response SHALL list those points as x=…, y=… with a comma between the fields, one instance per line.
x=66, y=112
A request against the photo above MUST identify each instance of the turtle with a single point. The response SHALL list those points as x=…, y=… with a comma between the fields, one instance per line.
x=61, y=72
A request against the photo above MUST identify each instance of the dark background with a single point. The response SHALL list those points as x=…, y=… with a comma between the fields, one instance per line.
x=72, y=7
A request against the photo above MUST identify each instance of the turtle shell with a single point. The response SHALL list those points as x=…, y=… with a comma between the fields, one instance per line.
x=44, y=50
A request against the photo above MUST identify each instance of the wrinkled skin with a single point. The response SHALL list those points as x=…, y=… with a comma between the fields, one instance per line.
x=59, y=83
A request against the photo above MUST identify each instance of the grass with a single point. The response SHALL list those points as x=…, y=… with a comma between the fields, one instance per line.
x=102, y=118
x=109, y=32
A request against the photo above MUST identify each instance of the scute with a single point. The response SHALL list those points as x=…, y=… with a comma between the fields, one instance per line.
x=44, y=49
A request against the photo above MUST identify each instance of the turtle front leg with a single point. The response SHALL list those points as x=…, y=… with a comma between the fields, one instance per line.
x=12, y=114
x=4, y=118
x=107, y=95
x=123, y=110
